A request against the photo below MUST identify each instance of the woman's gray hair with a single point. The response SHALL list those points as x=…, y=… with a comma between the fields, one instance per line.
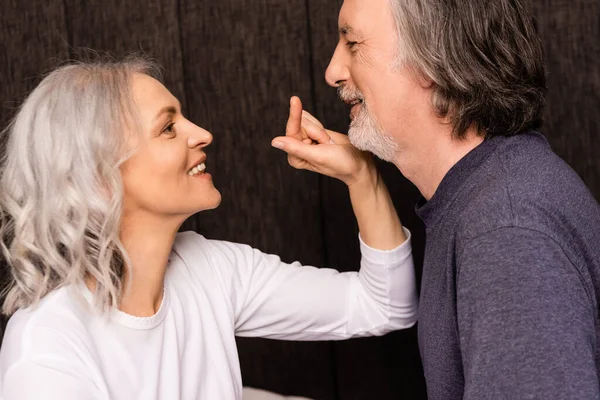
x=484, y=58
x=60, y=184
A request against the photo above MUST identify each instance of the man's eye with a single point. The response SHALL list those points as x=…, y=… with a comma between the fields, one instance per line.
x=351, y=44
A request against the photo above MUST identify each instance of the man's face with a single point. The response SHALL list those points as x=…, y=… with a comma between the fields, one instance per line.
x=389, y=101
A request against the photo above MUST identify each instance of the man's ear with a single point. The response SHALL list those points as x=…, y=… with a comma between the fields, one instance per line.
x=424, y=81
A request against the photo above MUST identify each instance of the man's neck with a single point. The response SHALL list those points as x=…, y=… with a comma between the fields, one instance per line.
x=427, y=165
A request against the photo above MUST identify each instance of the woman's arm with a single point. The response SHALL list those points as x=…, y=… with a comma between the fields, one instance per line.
x=375, y=213
x=288, y=301
x=273, y=299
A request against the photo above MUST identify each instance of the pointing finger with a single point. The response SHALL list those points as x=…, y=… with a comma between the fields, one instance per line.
x=293, y=127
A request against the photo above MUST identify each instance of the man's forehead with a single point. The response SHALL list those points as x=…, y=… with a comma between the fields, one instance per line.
x=357, y=17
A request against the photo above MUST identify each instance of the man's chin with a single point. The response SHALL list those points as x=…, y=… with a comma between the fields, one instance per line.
x=372, y=142
x=357, y=138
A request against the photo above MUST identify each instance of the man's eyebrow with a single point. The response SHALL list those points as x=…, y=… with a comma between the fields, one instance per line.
x=346, y=29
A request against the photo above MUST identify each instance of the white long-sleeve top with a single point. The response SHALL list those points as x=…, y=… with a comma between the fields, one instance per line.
x=64, y=349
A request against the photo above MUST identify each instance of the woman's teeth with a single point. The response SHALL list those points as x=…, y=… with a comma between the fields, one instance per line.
x=198, y=169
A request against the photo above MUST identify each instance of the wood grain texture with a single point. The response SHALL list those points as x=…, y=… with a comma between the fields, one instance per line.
x=243, y=60
x=33, y=41
x=122, y=27
x=571, y=31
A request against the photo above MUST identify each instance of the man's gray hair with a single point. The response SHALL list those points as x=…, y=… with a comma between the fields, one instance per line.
x=60, y=185
x=484, y=58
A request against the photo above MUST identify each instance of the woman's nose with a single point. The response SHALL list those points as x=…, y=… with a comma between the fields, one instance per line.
x=199, y=137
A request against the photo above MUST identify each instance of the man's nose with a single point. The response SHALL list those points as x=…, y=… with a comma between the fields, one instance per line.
x=338, y=72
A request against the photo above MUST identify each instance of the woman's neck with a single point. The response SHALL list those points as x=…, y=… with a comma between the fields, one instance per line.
x=148, y=241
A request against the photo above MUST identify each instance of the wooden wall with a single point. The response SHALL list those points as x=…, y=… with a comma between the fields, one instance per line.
x=234, y=64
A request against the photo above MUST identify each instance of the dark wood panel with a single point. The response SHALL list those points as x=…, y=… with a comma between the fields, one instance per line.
x=570, y=31
x=242, y=62
x=121, y=27
x=288, y=368
x=371, y=368
x=387, y=367
x=33, y=41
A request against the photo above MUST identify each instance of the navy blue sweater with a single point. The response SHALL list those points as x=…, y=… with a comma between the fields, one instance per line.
x=511, y=280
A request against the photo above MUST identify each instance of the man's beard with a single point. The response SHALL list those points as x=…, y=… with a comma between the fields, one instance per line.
x=365, y=133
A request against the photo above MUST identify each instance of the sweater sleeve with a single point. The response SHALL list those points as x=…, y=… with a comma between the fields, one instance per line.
x=276, y=300
x=525, y=320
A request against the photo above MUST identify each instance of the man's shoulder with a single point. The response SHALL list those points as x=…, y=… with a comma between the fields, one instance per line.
x=545, y=193
x=533, y=170
x=524, y=184
x=525, y=167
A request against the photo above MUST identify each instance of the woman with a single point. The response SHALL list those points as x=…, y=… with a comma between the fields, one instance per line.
x=110, y=302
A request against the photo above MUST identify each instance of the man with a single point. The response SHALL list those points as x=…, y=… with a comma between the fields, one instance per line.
x=451, y=93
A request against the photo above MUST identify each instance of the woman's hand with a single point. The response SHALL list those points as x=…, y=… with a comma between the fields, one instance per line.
x=312, y=147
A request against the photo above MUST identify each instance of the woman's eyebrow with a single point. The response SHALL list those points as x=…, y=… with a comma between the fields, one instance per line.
x=168, y=110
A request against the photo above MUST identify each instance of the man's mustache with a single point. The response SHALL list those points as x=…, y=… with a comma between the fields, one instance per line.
x=347, y=94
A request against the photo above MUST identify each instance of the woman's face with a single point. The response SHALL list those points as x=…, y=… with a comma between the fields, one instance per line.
x=165, y=176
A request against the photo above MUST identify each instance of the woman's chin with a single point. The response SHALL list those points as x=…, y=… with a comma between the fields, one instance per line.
x=212, y=203
x=216, y=204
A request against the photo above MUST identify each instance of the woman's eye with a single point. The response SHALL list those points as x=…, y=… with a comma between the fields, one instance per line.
x=351, y=44
x=169, y=128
